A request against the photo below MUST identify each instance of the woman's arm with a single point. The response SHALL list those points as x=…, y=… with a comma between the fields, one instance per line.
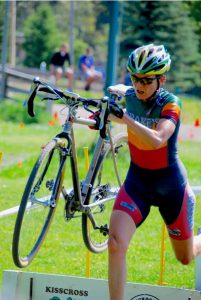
x=153, y=138
x=115, y=119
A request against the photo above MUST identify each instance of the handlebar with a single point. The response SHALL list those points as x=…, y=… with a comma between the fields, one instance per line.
x=67, y=97
x=74, y=100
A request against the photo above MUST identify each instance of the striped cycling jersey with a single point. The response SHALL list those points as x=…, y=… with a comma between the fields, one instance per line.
x=164, y=105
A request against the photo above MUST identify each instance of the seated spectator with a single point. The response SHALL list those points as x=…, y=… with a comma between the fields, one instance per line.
x=87, y=69
x=57, y=66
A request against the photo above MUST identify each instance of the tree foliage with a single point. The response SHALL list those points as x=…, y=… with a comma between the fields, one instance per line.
x=161, y=22
x=176, y=24
x=90, y=30
x=195, y=10
x=41, y=36
x=1, y=25
x=43, y=25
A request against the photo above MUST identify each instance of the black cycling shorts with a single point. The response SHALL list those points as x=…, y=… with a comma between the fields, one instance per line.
x=166, y=189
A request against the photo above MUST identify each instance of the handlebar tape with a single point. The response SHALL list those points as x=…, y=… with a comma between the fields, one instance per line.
x=30, y=102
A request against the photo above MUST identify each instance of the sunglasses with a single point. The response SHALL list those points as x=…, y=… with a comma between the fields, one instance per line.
x=143, y=81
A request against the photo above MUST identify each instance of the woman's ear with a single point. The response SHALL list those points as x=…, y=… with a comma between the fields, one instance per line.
x=162, y=79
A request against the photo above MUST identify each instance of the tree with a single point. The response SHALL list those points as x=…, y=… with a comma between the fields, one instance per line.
x=41, y=36
x=195, y=9
x=25, y=9
x=168, y=23
x=1, y=24
x=89, y=30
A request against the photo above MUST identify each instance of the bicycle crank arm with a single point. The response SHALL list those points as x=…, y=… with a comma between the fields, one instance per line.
x=103, y=228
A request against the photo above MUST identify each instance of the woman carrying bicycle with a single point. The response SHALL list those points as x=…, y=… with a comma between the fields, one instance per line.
x=156, y=176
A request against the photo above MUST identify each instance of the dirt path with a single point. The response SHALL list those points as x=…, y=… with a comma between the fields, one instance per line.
x=190, y=132
x=9, y=160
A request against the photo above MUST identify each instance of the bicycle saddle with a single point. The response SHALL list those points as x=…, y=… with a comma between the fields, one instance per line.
x=119, y=89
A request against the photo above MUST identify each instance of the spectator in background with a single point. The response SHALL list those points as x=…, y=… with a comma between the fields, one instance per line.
x=87, y=69
x=57, y=66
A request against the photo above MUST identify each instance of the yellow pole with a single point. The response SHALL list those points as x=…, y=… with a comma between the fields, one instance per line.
x=86, y=154
x=162, y=260
x=1, y=156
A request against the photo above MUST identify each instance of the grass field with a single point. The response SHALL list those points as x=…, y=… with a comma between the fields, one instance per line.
x=63, y=251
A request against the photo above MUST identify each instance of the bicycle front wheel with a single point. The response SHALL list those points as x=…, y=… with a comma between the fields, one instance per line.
x=105, y=188
x=38, y=204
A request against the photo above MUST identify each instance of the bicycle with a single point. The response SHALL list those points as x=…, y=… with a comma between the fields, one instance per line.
x=91, y=199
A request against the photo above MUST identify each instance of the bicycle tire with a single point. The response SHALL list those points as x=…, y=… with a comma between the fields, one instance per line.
x=35, y=212
x=105, y=179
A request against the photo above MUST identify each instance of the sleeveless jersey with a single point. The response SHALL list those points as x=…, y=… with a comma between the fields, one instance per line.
x=164, y=105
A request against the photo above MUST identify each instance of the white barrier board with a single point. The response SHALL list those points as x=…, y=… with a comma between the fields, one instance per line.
x=36, y=286
x=198, y=273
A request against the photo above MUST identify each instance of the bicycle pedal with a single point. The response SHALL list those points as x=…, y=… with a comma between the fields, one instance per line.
x=104, y=230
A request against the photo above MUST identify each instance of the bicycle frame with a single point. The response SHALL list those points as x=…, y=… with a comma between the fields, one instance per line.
x=83, y=190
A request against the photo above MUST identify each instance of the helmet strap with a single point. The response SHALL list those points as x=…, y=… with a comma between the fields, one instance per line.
x=154, y=93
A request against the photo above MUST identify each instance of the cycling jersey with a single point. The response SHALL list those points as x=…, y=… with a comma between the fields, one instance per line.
x=164, y=105
x=157, y=177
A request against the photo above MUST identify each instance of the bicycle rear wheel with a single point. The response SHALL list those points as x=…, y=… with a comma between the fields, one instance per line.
x=105, y=186
x=36, y=209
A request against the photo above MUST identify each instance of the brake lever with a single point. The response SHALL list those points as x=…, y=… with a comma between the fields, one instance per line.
x=115, y=97
x=105, y=106
x=88, y=109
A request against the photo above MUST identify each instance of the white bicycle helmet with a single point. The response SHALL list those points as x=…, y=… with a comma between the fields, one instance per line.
x=149, y=60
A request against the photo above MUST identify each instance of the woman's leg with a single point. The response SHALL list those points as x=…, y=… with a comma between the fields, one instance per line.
x=186, y=246
x=122, y=228
x=70, y=77
x=185, y=251
x=57, y=74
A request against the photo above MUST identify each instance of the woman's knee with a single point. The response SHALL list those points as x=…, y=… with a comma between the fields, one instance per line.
x=184, y=259
x=117, y=245
x=184, y=250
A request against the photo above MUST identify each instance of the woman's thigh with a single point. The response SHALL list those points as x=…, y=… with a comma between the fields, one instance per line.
x=122, y=227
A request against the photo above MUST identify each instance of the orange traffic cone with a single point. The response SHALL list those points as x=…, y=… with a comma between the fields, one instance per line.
x=56, y=117
x=51, y=123
x=197, y=122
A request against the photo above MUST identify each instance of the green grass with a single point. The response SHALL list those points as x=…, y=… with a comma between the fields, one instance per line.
x=191, y=109
x=63, y=251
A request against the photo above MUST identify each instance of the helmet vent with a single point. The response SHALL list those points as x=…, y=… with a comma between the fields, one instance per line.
x=159, y=67
x=133, y=64
x=141, y=57
x=148, y=63
x=150, y=52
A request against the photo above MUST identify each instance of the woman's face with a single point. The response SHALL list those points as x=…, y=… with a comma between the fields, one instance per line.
x=145, y=85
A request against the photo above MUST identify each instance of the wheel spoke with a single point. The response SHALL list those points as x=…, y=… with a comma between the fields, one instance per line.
x=104, y=194
x=35, y=212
